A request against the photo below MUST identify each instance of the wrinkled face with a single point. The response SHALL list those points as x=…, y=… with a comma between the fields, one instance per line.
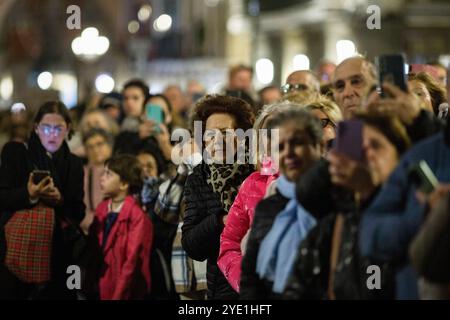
x=110, y=183
x=421, y=91
x=351, y=85
x=217, y=142
x=297, y=152
x=97, y=150
x=329, y=129
x=52, y=130
x=148, y=165
x=303, y=79
x=96, y=120
x=241, y=80
x=160, y=102
x=381, y=155
x=133, y=101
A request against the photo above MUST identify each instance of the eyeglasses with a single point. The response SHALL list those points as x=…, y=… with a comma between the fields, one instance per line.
x=325, y=122
x=294, y=87
x=49, y=130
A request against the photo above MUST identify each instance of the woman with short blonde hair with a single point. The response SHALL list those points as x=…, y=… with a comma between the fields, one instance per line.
x=329, y=115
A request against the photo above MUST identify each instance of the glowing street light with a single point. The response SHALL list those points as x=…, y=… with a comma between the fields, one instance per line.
x=163, y=23
x=301, y=62
x=144, y=13
x=90, y=45
x=345, y=49
x=104, y=83
x=133, y=27
x=45, y=80
x=264, y=71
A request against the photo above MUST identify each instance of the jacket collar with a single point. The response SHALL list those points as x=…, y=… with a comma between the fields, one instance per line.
x=124, y=215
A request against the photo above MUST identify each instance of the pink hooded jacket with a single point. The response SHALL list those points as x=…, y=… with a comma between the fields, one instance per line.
x=239, y=220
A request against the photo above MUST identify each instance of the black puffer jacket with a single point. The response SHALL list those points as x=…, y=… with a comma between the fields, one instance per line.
x=252, y=287
x=201, y=231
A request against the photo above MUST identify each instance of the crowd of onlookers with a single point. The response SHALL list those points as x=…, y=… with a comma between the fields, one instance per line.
x=97, y=186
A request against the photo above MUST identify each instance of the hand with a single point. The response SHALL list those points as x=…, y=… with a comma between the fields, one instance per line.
x=36, y=190
x=224, y=219
x=52, y=194
x=163, y=138
x=146, y=129
x=405, y=105
x=434, y=197
x=350, y=174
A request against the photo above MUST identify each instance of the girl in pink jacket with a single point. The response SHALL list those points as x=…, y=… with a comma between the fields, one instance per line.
x=239, y=220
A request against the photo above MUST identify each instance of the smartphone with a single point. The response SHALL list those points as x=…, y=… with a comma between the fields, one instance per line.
x=391, y=68
x=422, y=177
x=349, y=139
x=155, y=113
x=39, y=175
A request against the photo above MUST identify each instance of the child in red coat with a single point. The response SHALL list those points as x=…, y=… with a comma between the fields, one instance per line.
x=124, y=233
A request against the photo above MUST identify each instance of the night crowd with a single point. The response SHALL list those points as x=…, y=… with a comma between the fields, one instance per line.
x=335, y=213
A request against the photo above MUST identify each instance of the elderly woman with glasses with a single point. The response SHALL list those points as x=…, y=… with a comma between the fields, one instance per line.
x=329, y=115
x=60, y=191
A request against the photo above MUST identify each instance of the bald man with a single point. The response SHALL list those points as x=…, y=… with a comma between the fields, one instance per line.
x=301, y=80
x=353, y=79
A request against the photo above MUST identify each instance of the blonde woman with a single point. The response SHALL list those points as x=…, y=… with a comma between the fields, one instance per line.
x=329, y=115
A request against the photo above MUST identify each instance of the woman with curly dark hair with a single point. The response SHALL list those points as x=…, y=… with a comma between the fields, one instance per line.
x=212, y=187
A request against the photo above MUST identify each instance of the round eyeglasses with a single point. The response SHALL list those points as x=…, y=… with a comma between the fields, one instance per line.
x=325, y=122
x=294, y=87
x=50, y=130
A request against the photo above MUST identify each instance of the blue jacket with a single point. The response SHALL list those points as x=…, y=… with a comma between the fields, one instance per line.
x=394, y=217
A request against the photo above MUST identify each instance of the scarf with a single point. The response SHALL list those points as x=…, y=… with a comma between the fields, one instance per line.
x=57, y=163
x=278, y=249
x=150, y=190
x=225, y=180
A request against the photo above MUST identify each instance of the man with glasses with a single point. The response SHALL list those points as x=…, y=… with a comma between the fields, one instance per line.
x=300, y=81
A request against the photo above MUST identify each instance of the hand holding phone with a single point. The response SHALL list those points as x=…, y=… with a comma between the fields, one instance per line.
x=39, y=175
x=392, y=69
x=155, y=113
x=422, y=177
x=39, y=182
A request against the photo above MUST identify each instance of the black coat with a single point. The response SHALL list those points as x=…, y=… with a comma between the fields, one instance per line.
x=202, y=227
x=252, y=287
x=426, y=124
x=14, y=172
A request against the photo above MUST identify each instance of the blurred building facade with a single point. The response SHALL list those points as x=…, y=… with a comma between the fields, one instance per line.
x=202, y=39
